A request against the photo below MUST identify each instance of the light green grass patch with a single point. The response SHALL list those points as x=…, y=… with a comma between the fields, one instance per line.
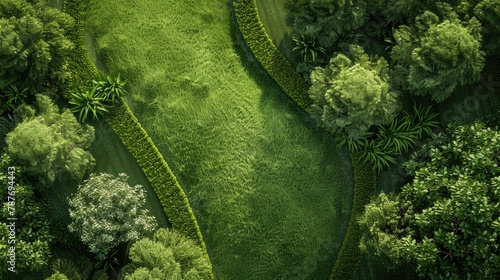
x=271, y=192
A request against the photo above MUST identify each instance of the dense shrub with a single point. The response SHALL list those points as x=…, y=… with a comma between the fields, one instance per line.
x=268, y=55
x=352, y=93
x=169, y=255
x=34, y=43
x=434, y=56
x=106, y=211
x=447, y=220
x=50, y=144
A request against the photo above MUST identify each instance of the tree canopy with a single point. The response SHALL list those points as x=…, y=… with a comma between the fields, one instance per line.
x=33, y=43
x=352, y=93
x=447, y=220
x=50, y=144
x=106, y=211
x=433, y=56
x=168, y=256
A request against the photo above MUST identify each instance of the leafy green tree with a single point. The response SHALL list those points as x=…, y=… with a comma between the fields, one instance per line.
x=51, y=144
x=106, y=211
x=168, y=256
x=352, y=93
x=447, y=220
x=33, y=42
x=432, y=57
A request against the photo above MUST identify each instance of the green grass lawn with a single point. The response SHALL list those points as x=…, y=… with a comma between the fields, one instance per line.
x=270, y=190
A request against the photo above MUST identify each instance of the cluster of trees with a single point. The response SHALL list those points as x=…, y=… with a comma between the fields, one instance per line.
x=423, y=48
x=447, y=220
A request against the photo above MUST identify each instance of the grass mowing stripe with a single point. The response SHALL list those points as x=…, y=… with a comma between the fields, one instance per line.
x=271, y=191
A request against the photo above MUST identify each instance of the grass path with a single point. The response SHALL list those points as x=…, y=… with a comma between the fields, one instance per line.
x=271, y=192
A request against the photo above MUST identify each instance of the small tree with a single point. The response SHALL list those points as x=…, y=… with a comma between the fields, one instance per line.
x=106, y=211
x=433, y=57
x=51, y=144
x=168, y=256
x=447, y=220
x=34, y=43
x=352, y=93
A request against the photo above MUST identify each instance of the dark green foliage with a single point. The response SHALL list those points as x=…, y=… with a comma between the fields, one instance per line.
x=352, y=93
x=34, y=43
x=32, y=224
x=328, y=20
x=349, y=257
x=12, y=97
x=381, y=148
x=433, y=56
x=308, y=46
x=163, y=181
x=268, y=55
x=446, y=220
x=91, y=101
x=78, y=269
x=488, y=13
x=51, y=144
x=169, y=255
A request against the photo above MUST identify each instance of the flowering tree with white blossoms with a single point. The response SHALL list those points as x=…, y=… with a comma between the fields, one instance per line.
x=106, y=211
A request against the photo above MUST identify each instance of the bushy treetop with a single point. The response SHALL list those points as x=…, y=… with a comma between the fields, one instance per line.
x=433, y=56
x=352, y=93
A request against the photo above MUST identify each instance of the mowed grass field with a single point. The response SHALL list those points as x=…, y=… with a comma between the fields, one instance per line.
x=271, y=192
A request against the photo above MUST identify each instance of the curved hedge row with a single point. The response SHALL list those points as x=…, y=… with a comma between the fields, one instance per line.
x=262, y=47
x=134, y=137
x=349, y=257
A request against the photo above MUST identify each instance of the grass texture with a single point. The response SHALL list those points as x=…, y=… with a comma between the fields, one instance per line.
x=271, y=192
x=163, y=183
x=268, y=55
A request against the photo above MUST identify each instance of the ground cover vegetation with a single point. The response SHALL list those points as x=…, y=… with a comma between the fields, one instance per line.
x=48, y=148
x=435, y=49
x=235, y=144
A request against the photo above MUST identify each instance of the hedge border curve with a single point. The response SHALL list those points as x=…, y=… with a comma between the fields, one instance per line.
x=128, y=128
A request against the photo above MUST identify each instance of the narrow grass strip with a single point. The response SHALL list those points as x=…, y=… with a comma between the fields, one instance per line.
x=264, y=50
x=365, y=184
x=134, y=137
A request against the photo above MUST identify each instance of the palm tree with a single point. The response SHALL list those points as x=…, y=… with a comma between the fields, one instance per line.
x=110, y=88
x=307, y=45
x=89, y=101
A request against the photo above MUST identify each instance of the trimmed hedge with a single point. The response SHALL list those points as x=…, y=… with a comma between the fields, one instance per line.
x=169, y=192
x=262, y=47
x=349, y=257
x=134, y=137
x=80, y=66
